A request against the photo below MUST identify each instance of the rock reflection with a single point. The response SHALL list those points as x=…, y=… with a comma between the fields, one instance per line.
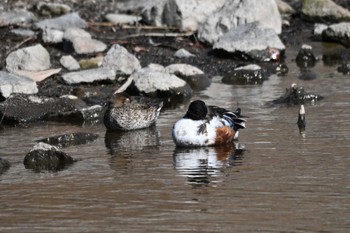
x=200, y=164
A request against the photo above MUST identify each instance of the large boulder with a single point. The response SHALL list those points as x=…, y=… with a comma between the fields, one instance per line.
x=32, y=58
x=240, y=12
x=11, y=83
x=251, y=39
x=44, y=157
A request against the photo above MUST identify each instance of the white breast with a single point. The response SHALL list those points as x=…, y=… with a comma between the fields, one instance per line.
x=186, y=132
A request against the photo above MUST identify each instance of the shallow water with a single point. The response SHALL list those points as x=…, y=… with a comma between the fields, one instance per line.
x=272, y=180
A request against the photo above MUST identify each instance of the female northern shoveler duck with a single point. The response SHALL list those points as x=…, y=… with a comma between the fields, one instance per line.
x=205, y=125
x=126, y=112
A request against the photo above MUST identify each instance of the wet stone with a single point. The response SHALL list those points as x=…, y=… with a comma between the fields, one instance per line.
x=296, y=95
x=89, y=115
x=305, y=57
x=11, y=83
x=4, y=165
x=44, y=157
x=250, y=74
x=22, y=108
x=344, y=68
x=71, y=139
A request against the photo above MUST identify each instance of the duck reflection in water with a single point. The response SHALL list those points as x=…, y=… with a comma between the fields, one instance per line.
x=124, y=145
x=201, y=164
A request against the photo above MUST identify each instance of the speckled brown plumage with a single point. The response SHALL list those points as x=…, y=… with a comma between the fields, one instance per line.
x=126, y=112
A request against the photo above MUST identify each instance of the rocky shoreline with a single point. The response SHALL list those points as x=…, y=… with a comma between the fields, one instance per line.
x=63, y=61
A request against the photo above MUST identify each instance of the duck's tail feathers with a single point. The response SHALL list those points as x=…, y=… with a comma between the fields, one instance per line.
x=234, y=119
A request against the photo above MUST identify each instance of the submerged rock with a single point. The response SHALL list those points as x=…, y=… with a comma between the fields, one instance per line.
x=88, y=115
x=297, y=95
x=250, y=39
x=32, y=58
x=11, y=83
x=4, y=165
x=344, y=68
x=44, y=157
x=71, y=139
x=238, y=13
x=249, y=74
x=305, y=57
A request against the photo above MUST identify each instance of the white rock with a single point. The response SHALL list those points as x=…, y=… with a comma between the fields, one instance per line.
x=235, y=13
x=120, y=60
x=16, y=17
x=149, y=80
x=70, y=20
x=10, y=83
x=89, y=76
x=82, y=41
x=33, y=58
x=123, y=18
x=249, y=37
x=69, y=63
x=183, y=53
x=183, y=69
x=52, y=36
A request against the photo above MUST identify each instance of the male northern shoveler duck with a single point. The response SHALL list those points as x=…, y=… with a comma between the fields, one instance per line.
x=126, y=112
x=205, y=125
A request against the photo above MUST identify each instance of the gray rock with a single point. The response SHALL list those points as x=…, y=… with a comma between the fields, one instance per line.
x=89, y=115
x=44, y=157
x=251, y=39
x=339, y=32
x=4, y=165
x=325, y=11
x=187, y=15
x=69, y=63
x=123, y=18
x=151, y=10
x=156, y=81
x=191, y=74
x=318, y=29
x=249, y=74
x=10, y=83
x=89, y=76
x=71, y=20
x=120, y=60
x=16, y=17
x=183, y=53
x=22, y=108
x=33, y=58
x=23, y=32
x=81, y=42
x=52, y=36
x=284, y=8
x=236, y=13
x=48, y=9
x=71, y=139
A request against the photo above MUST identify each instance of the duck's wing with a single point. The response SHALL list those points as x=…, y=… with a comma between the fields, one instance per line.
x=232, y=119
x=142, y=102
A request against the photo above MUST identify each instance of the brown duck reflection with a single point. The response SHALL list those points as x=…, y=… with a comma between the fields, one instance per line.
x=132, y=141
x=201, y=164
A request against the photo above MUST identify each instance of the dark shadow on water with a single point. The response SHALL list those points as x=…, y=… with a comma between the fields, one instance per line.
x=201, y=164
